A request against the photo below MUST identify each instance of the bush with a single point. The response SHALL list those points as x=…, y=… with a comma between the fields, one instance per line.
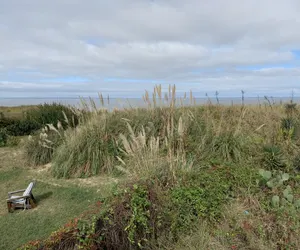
x=5, y=122
x=3, y=137
x=51, y=114
x=22, y=127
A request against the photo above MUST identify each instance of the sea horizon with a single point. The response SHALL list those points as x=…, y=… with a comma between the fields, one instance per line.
x=127, y=102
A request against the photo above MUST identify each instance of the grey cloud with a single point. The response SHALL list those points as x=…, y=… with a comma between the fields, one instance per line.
x=161, y=39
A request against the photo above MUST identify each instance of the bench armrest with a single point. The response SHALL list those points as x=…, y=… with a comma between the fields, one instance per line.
x=15, y=192
x=17, y=198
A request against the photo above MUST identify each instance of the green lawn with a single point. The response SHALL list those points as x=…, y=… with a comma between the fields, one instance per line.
x=58, y=200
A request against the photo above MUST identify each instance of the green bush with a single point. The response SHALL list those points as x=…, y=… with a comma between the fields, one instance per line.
x=51, y=114
x=5, y=122
x=22, y=127
x=3, y=137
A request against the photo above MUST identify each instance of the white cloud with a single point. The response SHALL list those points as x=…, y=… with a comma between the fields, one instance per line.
x=175, y=41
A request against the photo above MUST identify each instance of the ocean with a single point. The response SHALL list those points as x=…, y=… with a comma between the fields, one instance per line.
x=121, y=103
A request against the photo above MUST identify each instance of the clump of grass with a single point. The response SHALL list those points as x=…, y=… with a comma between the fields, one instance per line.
x=87, y=150
x=39, y=148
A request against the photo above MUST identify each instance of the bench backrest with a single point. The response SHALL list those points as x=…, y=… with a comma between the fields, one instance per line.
x=28, y=190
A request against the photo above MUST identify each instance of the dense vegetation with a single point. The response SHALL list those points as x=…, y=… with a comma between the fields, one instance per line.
x=219, y=177
x=31, y=119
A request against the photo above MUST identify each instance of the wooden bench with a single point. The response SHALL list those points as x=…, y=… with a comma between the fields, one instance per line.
x=26, y=200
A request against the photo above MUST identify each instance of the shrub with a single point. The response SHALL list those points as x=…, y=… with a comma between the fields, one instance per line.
x=3, y=137
x=5, y=122
x=22, y=127
x=52, y=113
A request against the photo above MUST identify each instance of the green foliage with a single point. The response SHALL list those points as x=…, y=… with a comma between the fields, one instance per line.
x=190, y=203
x=296, y=162
x=140, y=216
x=276, y=180
x=22, y=127
x=273, y=179
x=52, y=113
x=286, y=199
x=289, y=128
x=5, y=122
x=202, y=194
x=3, y=137
x=273, y=158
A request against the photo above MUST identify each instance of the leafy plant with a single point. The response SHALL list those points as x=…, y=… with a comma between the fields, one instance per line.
x=139, y=220
x=273, y=158
x=273, y=179
x=287, y=198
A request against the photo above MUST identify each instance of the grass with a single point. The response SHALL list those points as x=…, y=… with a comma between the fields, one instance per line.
x=15, y=112
x=58, y=201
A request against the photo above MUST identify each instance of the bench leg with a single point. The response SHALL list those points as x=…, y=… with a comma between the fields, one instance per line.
x=32, y=203
x=10, y=207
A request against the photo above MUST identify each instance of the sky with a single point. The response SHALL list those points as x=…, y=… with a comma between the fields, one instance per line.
x=121, y=48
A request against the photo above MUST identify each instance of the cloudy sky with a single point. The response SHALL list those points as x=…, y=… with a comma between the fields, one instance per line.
x=69, y=48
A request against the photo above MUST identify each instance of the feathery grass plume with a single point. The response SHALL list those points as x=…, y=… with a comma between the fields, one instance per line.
x=101, y=99
x=174, y=95
x=141, y=153
x=93, y=105
x=158, y=91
